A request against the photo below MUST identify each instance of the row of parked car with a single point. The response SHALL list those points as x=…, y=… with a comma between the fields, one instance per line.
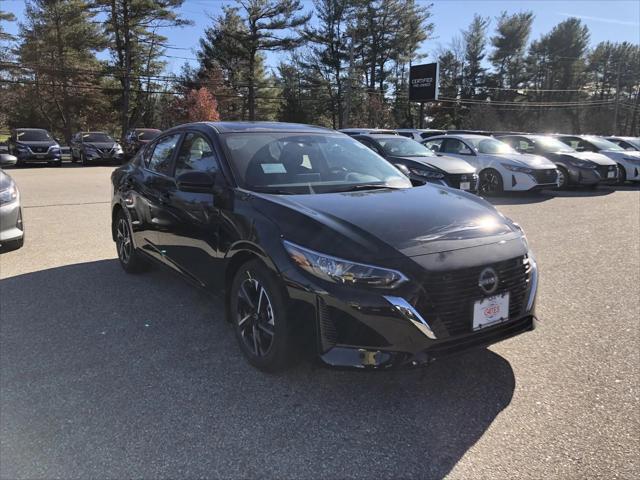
x=36, y=145
x=493, y=162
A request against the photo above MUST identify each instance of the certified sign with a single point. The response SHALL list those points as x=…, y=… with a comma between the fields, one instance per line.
x=423, y=82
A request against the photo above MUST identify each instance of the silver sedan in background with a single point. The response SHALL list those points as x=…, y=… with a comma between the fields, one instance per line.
x=11, y=227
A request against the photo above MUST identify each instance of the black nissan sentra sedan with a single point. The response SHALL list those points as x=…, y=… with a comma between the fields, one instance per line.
x=314, y=239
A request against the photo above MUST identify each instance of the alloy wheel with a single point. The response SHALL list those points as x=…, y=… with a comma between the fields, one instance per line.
x=490, y=182
x=255, y=318
x=562, y=178
x=123, y=241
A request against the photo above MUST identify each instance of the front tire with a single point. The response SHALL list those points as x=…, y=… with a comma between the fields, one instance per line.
x=259, y=313
x=130, y=259
x=563, y=178
x=12, y=245
x=490, y=182
x=622, y=175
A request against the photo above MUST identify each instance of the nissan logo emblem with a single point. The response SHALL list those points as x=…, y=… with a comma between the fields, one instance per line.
x=488, y=281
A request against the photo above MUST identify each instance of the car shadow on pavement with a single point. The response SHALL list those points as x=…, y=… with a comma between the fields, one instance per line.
x=105, y=374
x=524, y=198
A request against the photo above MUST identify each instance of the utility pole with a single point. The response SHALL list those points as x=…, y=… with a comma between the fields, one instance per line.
x=615, y=115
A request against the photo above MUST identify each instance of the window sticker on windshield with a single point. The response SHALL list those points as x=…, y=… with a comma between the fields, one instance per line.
x=20, y=134
x=273, y=168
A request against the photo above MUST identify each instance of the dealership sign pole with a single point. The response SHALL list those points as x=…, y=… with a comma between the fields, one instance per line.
x=423, y=85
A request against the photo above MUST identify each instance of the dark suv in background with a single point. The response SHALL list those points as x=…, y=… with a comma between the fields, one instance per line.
x=574, y=168
x=94, y=147
x=137, y=138
x=34, y=145
x=420, y=164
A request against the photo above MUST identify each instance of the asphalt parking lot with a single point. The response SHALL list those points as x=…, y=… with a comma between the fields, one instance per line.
x=107, y=375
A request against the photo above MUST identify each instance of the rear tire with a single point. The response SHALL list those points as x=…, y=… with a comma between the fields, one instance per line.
x=258, y=310
x=490, y=182
x=130, y=259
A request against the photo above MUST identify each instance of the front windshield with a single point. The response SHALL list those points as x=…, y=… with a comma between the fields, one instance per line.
x=491, y=146
x=34, y=136
x=553, y=145
x=404, y=147
x=292, y=163
x=98, y=137
x=603, y=144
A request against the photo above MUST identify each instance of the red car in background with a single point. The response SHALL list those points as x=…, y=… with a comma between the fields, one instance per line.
x=138, y=137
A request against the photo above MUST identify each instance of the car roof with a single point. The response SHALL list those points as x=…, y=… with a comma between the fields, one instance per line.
x=144, y=129
x=31, y=130
x=376, y=131
x=228, y=127
x=378, y=136
x=457, y=135
x=419, y=130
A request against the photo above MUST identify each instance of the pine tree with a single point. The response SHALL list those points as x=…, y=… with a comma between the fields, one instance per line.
x=135, y=45
x=59, y=43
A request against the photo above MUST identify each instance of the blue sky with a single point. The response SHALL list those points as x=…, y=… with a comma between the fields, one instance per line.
x=607, y=20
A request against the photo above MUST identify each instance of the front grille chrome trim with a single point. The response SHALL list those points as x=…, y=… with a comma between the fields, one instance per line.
x=534, y=283
x=411, y=314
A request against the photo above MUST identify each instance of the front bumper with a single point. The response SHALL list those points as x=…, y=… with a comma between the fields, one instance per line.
x=367, y=329
x=30, y=157
x=103, y=156
x=11, y=227
x=525, y=182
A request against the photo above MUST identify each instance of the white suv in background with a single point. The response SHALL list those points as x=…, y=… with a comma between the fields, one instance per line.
x=499, y=167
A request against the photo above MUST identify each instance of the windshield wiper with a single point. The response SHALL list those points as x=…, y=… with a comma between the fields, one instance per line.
x=274, y=191
x=364, y=186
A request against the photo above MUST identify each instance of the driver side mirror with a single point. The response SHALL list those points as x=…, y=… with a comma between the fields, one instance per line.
x=403, y=168
x=196, y=182
x=7, y=160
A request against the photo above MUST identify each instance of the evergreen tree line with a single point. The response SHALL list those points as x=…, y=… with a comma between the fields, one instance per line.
x=343, y=63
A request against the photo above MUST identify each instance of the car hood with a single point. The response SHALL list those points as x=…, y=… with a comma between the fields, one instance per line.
x=381, y=224
x=100, y=144
x=444, y=163
x=523, y=160
x=47, y=144
x=618, y=155
x=594, y=157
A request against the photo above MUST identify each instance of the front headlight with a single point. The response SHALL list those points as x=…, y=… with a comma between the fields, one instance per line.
x=338, y=270
x=515, y=168
x=576, y=162
x=9, y=194
x=421, y=172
